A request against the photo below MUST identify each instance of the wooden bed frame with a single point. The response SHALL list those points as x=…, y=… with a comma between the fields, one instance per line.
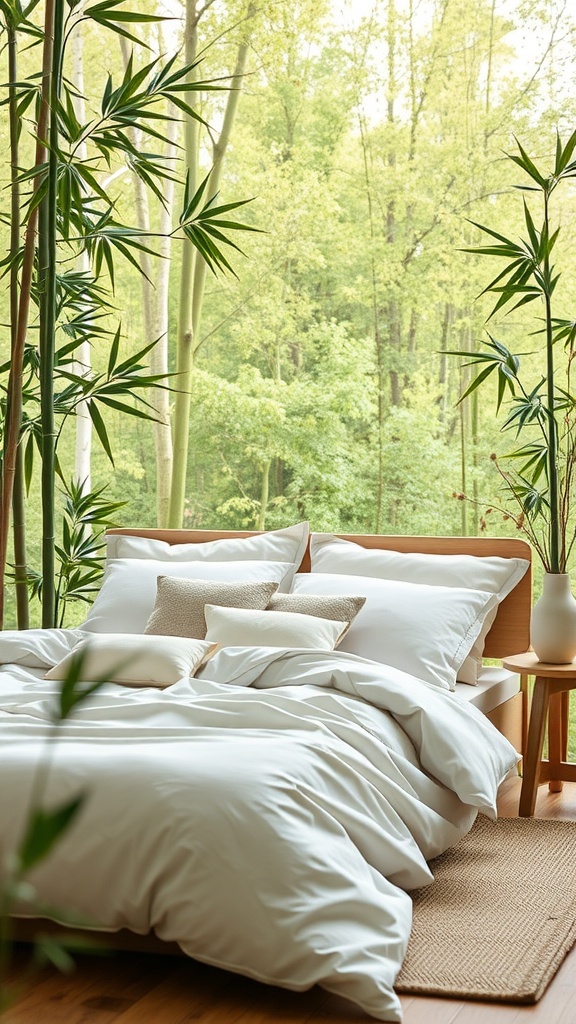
x=510, y=634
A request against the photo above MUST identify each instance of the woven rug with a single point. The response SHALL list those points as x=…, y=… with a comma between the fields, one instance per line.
x=500, y=916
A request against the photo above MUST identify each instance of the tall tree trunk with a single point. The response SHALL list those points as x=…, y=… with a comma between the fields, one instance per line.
x=264, y=492
x=394, y=317
x=447, y=322
x=194, y=269
x=155, y=281
x=377, y=334
x=488, y=96
x=393, y=310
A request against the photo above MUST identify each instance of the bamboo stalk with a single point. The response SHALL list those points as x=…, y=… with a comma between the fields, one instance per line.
x=183, y=380
x=14, y=390
x=19, y=532
x=47, y=272
x=550, y=396
x=18, y=496
x=193, y=285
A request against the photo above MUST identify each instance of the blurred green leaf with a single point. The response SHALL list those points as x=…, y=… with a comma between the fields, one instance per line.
x=43, y=830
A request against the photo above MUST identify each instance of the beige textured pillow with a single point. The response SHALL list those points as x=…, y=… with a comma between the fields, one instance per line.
x=323, y=606
x=179, y=608
x=135, y=660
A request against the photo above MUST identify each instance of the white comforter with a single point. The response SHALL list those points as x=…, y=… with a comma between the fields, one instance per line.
x=268, y=816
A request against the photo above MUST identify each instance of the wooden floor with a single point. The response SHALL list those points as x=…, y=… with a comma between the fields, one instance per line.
x=129, y=988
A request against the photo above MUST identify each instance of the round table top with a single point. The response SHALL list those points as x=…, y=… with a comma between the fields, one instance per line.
x=528, y=663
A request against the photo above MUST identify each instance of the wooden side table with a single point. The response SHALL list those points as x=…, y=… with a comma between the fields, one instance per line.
x=552, y=686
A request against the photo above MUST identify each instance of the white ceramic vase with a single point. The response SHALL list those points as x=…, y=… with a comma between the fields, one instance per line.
x=553, y=621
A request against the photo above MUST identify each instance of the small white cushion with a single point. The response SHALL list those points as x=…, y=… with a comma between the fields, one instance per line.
x=242, y=627
x=128, y=593
x=287, y=545
x=134, y=660
x=495, y=575
x=423, y=630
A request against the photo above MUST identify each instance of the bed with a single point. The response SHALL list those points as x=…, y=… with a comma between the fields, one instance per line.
x=266, y=795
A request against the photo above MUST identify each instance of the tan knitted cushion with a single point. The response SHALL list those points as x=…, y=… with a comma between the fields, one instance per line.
x=179, y=608
x=340, y=608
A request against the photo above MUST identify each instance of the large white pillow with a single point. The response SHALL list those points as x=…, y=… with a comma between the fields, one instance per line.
x=424, y=630
x=287, y=545
x=128, y=593
x=495, y=575
x=136, y=660
x=244, y=627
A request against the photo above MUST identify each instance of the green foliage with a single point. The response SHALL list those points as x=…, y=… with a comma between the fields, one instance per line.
x=62, y=198
x=317, y=372
x=541, y=487
x=43, y=830
x=86, y=515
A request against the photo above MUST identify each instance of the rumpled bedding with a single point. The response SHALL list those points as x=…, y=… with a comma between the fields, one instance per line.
x=268, y=815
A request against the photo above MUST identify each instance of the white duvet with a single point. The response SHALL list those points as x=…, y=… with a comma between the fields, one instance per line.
x=267, y=815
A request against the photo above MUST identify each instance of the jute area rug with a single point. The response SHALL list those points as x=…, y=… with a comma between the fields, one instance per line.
x=500, y=916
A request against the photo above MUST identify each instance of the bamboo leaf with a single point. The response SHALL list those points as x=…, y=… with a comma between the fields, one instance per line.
x=129, y=364
x=527, y=165
x=534, y=237
x=564, y=155
x=100, y=428
x=477, y=381
x=495, y=234
x=44, y=829
x=191, y=205
x=113, y=352
x=129, y=410
x=28, y=462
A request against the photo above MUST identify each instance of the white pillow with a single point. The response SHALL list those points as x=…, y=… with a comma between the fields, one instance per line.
x=134, y=660
x=423, y=630
x=244, y=627
x=128, y=593
x=495, y=575
x=286, y=545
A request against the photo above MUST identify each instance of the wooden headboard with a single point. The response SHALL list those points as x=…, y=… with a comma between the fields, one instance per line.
x=510, y=633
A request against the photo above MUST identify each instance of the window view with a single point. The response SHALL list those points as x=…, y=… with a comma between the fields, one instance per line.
x=300, y=362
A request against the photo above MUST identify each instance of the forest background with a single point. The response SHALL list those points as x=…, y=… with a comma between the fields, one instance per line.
x=369, y=135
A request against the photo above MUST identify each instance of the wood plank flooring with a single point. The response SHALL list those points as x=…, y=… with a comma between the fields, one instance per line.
x=138, y=988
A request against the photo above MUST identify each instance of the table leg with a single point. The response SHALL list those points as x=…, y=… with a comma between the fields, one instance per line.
x=533, y=755
x=565, y=717
x=556, y=742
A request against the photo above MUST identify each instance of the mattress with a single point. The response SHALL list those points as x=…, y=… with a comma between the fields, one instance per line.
x=495, y=685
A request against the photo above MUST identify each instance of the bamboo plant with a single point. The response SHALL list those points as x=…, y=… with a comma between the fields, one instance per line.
x=65, y=208
x=537, y=475
x=44, y=827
